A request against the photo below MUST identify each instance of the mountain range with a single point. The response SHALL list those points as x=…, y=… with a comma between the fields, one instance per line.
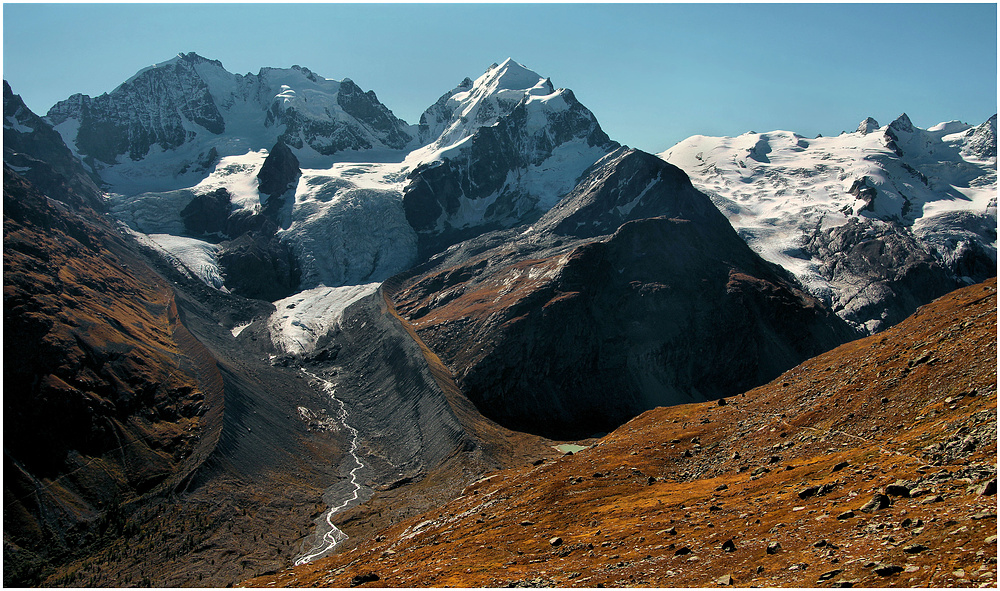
x=222, y=290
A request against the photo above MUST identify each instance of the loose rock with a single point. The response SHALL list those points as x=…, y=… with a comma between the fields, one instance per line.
x=885, y=570
x=830, y=574
x=362, y=579
x=879, y=501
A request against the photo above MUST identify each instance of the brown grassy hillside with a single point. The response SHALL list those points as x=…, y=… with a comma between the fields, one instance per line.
x=871, y=465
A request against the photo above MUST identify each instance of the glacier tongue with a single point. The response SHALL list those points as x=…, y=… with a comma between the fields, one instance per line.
x=299, y=321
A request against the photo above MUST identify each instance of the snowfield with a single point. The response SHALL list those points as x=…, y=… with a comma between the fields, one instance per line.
x=777, y=188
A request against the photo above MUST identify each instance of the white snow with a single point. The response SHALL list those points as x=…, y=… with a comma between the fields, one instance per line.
x=236, y=330
x=300, y=320
x=17, y=125
x=777, y=187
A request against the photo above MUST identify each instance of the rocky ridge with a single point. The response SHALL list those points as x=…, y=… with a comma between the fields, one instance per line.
x=36, y=151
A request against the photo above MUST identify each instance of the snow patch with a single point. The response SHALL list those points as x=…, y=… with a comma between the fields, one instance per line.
x=300, y=320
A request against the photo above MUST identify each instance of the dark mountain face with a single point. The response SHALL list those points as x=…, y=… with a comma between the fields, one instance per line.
x=38, y=152
x=568, y=336
x=148, y=110
x=280, y=171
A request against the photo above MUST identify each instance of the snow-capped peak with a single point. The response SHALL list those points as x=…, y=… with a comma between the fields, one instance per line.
x=509, y=75
x=867, y=126
x=191, y=58
x=457, y=115
x=169, y=123
x=902, y=123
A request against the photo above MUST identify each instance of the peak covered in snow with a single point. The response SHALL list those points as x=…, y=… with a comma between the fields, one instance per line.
x=471, y=105
x=497, y=151
x=867, y=126
x=153, y=131
x=902, y=123
x=782, y=191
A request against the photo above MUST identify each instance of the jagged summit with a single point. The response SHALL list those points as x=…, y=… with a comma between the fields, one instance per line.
x=509, y=75
x=161, y=122
x=902, y=123
x=471, y=105
x=497, y=152
x=867, y=126
x=188, y=58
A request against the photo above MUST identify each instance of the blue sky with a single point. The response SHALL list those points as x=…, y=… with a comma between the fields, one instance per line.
x=653, y=74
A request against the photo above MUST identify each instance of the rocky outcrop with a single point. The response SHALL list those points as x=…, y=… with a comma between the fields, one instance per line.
x=883, y=271
x=37, y=151
x=207, y=213
x=259, y=266
x=279, y=173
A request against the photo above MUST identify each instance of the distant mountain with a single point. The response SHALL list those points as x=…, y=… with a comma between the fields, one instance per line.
x=874, y=222
x=189, y=110
x=32, y=148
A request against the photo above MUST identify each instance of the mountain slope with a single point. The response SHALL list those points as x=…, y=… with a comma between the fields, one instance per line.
x=921, y=207
x=601, y=310
x=803, y=482
x=106, y=397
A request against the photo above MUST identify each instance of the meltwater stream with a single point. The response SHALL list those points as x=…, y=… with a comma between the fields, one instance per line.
x=327, y=534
